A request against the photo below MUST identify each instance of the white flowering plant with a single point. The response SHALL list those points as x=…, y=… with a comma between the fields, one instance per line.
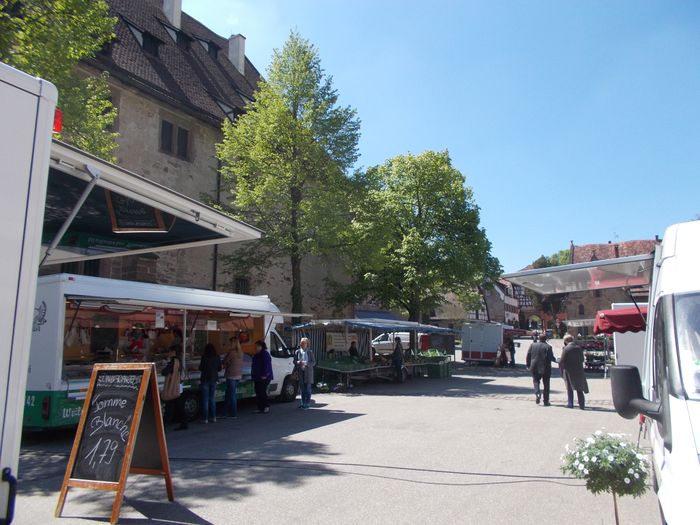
x=608, y=463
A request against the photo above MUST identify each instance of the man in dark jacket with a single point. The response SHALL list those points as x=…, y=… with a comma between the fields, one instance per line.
x=261, y=374
x=539, y=361
x=571, y=366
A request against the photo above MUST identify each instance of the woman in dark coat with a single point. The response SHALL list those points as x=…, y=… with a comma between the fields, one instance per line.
x=571, y=367
x=261, y=374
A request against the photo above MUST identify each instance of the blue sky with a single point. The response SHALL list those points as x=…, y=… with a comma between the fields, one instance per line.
x=571, y=120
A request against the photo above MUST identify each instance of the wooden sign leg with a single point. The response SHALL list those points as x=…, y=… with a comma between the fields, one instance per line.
x=117, y=505
x=61, y=500
x=160, y=433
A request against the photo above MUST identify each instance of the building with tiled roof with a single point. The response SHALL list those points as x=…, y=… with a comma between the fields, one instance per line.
x=611, y=250
x=171, y=56
x=173, y=82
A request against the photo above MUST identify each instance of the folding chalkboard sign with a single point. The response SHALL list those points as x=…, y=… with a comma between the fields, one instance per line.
x=120, y=432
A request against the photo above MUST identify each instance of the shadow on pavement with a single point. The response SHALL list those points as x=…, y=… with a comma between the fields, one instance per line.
x=197, y=455
x=155, y=512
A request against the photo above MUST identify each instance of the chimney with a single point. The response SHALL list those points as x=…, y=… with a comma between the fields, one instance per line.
x=236, y=52
x=172, y=9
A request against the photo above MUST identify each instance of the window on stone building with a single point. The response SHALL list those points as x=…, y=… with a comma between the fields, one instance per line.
x=581, y=310
x=598, y=293
x=150, y=43
x=146, y=40
x=174, y=140
x=242, y=286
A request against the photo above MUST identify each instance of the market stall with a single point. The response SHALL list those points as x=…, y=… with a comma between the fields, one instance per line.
x=331, y=341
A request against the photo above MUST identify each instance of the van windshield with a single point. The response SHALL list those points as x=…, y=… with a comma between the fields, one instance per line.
x=688, y=336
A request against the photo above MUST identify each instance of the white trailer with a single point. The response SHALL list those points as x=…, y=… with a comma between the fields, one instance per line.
x=27, y=107
x=481, y=341
x=51, y=213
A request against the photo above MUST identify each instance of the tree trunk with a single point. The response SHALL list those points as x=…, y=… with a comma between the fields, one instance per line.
x=617, y=515
x=297, y=299
x=295, y=255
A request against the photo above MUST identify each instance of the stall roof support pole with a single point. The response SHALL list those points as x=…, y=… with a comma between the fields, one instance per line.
x=371, y=357
x=183, y=372
x=637, y=307
x=74, y=212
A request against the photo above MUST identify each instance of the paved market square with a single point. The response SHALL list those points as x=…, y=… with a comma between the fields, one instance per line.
x=473, y=448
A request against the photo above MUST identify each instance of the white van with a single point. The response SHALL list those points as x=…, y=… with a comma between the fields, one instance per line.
x=81, y=320
x=667, y=389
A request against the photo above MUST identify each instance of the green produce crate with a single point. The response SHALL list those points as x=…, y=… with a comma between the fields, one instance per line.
x=439, y=370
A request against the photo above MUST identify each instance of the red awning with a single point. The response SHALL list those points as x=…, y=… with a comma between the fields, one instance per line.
x=621, y=321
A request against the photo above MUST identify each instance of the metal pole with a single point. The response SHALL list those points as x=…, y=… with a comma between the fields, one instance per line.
x=184, y=344
x=369, y=346
x=74, y=212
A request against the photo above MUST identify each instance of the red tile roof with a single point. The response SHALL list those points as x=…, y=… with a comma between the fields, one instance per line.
x=597, y=252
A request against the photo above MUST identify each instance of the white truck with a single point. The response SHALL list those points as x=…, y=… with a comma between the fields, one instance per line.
x=27, y=108
x=667, y=388
x=83, y=320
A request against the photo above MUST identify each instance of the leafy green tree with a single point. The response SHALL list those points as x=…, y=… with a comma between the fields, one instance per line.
x=47, y=39
x=417, y=235
x=285, y=162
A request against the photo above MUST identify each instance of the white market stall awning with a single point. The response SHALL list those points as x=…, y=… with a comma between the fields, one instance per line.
x=623, y=272
x=95, y=210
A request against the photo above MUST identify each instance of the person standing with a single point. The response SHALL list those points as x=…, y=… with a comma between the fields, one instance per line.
x=172, y=389
x=261, y=373
x=209, y=368
x=397, y=359
x=539, y=361
x=571, y=367
x=305, y=361
x=233, y=365
x=511, y=349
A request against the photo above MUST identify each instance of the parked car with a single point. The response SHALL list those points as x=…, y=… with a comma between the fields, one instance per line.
x=384, y=343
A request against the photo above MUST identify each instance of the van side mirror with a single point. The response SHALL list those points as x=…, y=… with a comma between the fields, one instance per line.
x=627, y=394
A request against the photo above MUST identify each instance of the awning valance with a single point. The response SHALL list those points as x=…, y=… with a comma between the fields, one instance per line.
x=620, y=321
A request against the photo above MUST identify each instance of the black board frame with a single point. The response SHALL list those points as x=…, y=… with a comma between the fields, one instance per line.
x=148, y=404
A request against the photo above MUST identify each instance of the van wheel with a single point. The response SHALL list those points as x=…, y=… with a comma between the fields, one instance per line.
x=290, y=389
x=191, y=406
